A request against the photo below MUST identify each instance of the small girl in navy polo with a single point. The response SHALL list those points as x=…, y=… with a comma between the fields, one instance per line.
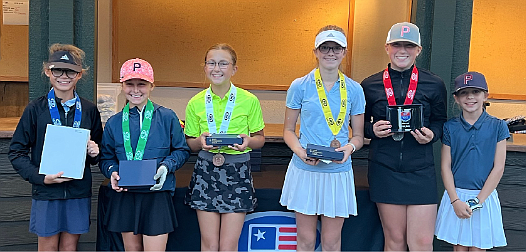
x=473, y=157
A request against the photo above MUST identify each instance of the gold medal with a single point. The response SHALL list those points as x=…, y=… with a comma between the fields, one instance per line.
x=398, y=136
x=218, y=159
x=335, y=144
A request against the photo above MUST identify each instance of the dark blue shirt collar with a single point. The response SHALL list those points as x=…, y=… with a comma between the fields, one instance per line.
x=477, y=124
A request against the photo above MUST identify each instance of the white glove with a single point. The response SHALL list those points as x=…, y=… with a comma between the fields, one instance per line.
x=161, y=175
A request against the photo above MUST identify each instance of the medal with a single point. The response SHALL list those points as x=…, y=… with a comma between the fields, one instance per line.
x=410, y=96
x=53, y=110
x=335, y=144
x=398, y=136
x=218, y=159
x=225, y=120
x=334, y=125
x=388, y=86
x=145, y=131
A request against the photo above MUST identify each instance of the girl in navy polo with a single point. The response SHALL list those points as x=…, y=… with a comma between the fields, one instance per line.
x=60, y=207
x=473, y=157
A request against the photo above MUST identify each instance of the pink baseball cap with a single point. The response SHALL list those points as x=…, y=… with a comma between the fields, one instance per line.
x=136, y=69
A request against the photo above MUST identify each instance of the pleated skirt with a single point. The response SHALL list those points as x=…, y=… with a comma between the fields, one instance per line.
x=318, y=193
x=141, y=213
x=483, y=229
x=50, y=217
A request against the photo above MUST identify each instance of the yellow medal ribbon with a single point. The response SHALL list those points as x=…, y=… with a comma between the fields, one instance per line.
x=335, y=126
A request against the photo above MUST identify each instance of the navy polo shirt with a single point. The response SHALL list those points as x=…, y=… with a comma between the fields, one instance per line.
x=473, y=148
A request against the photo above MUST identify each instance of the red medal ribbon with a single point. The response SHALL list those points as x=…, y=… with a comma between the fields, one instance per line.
x=389, y=93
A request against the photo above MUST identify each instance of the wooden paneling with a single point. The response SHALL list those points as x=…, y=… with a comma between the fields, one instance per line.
x=512, y=196
x=14, y=96
x=521, y=97
x=5, y=165
x=273, y=39
x=502, y=64
x=4, y=145
x=515, y=239
x=12, y=185
x=15, y=209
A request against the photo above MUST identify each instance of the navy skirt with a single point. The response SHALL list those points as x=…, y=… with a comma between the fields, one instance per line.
x=50, y=217
x=402, y=188
x=141, y=213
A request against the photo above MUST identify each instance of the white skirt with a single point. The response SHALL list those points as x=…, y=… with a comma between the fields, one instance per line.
x=483, y=229
x=319, y=193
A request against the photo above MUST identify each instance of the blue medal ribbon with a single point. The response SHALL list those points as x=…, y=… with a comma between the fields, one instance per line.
x=53, y=109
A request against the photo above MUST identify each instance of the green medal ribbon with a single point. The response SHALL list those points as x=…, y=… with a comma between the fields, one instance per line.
x=145, y=130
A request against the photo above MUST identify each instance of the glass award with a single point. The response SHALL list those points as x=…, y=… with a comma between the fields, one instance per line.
x=405, y=118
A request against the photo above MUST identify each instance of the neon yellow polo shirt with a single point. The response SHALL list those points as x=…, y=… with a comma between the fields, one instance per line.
x=246, y=115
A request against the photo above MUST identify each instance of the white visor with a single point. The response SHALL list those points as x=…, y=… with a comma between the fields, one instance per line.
x=330, y=35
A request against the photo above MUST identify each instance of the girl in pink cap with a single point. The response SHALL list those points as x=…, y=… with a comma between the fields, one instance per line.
x=148, y=135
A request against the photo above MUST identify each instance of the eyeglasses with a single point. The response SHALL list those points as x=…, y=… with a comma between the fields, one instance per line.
x=326, y=49
x=57, y=72
x=221, y=64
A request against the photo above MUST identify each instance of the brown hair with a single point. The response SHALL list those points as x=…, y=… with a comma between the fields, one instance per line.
x=226, y=47
x=77, y=53
x=331, y=27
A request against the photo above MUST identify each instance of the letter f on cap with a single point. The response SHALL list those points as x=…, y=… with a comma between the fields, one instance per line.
x=405, y=29
x=467, y=78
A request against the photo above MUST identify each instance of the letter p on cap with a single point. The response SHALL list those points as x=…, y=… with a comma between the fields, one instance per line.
x=467, y=78
x=405, y=29
x=136, y=65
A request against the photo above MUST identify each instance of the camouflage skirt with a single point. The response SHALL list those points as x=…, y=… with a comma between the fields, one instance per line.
x=222, y=189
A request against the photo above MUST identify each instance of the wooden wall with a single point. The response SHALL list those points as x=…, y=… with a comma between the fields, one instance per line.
x=512, y=191
x=14, y=96
x=273, y=39
x=497, y=46
x=14, y=52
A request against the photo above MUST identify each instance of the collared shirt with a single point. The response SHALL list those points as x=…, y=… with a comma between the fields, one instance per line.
x=68, y=104
x=473, y=148
x=246, y=117
x=303, y=95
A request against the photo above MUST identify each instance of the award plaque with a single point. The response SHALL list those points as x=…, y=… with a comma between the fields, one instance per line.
x=323, y=152
x=405, y=118
x=223, y=139
x=137, y=172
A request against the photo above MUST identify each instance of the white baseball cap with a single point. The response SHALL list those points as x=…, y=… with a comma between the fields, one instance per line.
x=404, y=32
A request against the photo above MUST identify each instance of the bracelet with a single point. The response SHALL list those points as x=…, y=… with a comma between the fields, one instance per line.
x=454, y=201
x=353, y=147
